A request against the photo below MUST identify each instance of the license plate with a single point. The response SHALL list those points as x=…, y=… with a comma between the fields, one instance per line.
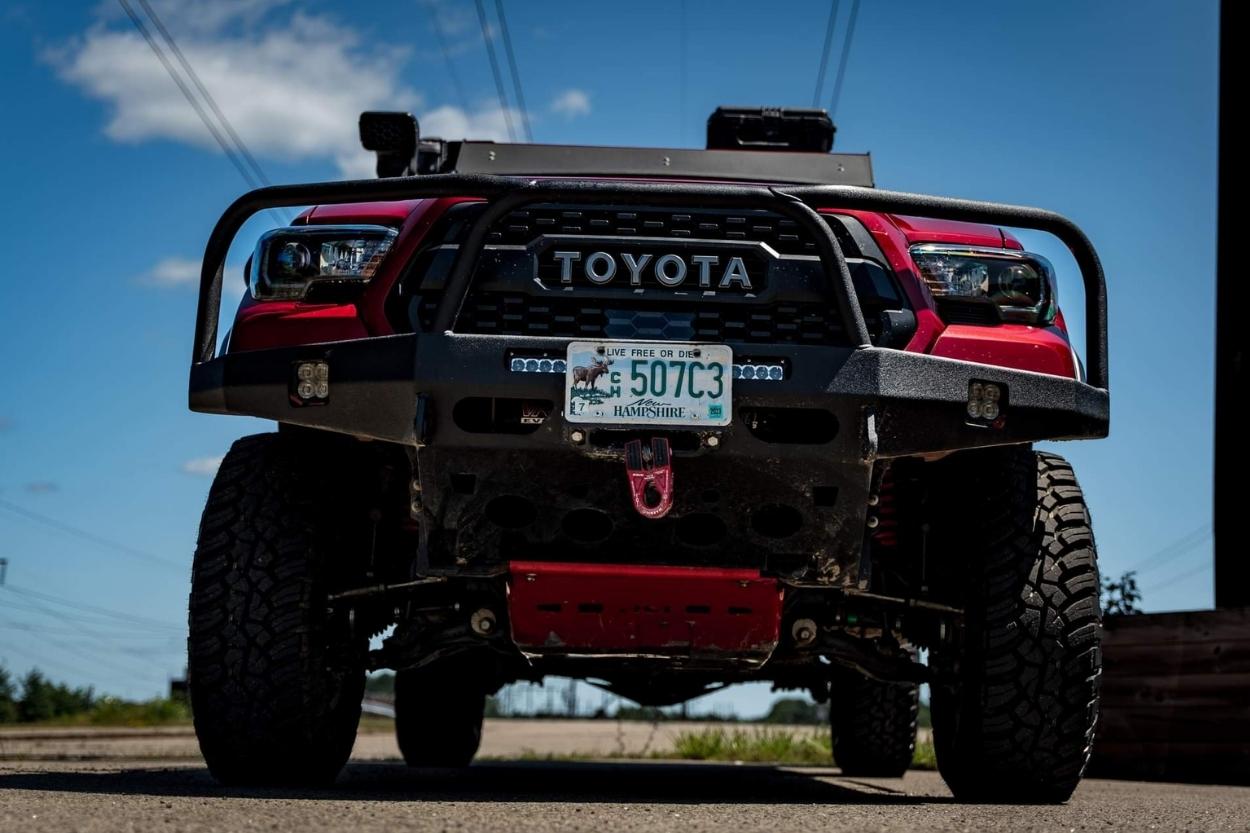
x=648, y=383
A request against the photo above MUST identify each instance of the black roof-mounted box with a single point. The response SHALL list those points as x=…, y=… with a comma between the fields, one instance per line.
x=770, y=128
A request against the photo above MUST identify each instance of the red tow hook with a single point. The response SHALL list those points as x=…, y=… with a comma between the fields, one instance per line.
x=650, y=473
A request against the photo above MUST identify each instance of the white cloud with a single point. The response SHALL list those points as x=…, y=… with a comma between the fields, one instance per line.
x=483, y=123
x=292, y=86
x=202, y=466
x=571, y=104
x=172, y=273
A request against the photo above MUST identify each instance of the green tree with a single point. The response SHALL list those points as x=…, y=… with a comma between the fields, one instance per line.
x=1121, y=598
x=8, y=697
x=38, y=698
x=795, y=711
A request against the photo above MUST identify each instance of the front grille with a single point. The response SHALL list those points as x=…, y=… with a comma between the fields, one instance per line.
x=517, y=290
x=521, y=315
x=784, y=235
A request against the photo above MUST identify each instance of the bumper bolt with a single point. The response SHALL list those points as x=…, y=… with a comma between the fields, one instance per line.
x=483, y=622
x=578, y=437
x=713, y=441
x=803, y=631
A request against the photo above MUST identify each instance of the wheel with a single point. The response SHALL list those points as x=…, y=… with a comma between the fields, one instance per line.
x=275, y=681
x=438, y=715
x=874, y=725
x=1016, y=699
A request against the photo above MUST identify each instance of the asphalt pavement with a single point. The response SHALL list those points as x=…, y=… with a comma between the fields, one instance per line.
x=93, y=791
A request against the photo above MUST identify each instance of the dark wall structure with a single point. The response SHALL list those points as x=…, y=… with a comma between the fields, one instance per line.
x=1176, y=686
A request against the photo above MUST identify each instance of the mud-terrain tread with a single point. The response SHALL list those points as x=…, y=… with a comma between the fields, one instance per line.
x=271, y=702
x=1020, y=723
x=438, y=716
x=873, y=724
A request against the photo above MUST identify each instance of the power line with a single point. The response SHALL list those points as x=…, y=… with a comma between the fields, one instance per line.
x=186, y=93
x=97, y=621
x=85, y=535
x=81, y=651
x=238, y=154
x=824, y=53
x=89, y=608
x=239, y=145
x=145, y=637
x=1190, y=573
x=494, y=68
x=516, y=76
x=846, y=54
x=437, y=25
x=1180, y=546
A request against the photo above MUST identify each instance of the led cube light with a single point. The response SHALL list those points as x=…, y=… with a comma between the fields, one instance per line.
x=985, y=401
x=311, y=383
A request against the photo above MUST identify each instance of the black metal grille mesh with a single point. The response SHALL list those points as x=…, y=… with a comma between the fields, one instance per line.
x=652, y=315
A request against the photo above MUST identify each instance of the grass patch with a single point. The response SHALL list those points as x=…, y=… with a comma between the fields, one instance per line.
x=925, y=758
x=111, y=711
x=754, y=745
x=770, y=746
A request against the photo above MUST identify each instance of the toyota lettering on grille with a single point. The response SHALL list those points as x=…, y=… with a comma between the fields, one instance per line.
x=670, y=270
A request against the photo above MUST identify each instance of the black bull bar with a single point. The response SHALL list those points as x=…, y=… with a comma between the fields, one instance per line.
x=377, y=381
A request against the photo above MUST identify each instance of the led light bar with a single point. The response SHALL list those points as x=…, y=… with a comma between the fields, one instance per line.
x=536, y=365
x=751, y=371
x=760, y=372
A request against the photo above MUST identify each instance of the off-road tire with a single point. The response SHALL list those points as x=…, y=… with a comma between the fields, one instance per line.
x=873, y=724
x=275, y=681
x=1016, y=704
x=438, y=716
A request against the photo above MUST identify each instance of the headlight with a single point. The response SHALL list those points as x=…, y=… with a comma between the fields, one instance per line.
x=1020, y=284
x=289, y=263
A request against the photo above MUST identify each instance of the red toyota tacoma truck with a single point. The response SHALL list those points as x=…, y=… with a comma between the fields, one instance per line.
x=662, y=420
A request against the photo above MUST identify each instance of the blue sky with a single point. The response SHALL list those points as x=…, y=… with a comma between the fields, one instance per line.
x=1105, y=112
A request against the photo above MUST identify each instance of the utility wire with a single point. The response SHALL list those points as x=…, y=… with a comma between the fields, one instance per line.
x=97, y=621
x=494, y=68
x=186, y=93
x=237, y=152
x=824, y=54
x=846, y=54
x=437, y=25
x=35, y=596
x=239, y=145
x=85, y=535
x=516, y=76
x=145, y=637
x=83, y=652
x=1171, y=551
x=1190, y=573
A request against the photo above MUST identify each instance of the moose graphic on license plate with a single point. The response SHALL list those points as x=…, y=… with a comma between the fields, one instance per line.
x=648, y=383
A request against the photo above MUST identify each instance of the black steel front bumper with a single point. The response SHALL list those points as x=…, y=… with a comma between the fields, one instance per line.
x=885, y=403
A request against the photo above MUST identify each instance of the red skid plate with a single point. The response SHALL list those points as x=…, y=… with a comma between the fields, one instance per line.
x=559, y=608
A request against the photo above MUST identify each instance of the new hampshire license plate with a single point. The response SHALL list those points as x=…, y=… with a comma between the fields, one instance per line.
x=648, y=383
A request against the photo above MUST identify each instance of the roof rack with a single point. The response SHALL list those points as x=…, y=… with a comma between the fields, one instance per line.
x=769, y=166
x=758, y=145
